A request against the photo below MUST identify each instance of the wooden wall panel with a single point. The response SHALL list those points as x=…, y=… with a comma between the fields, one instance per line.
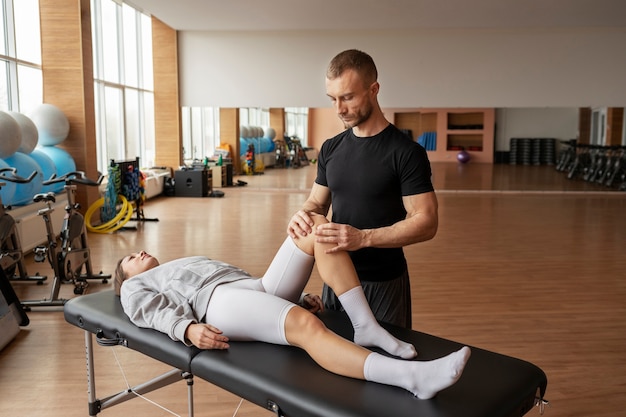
x=584, y=125
x=167, y=125
x=277, y=121
x=614, y=126
x=229, y=134
x=67, y=66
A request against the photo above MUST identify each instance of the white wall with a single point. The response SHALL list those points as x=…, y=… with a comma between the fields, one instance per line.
x=427, y=68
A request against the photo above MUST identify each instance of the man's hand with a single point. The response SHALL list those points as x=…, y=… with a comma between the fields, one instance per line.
x=300, y=224
x=205, y=336
x=313, y=303
x=344, y=236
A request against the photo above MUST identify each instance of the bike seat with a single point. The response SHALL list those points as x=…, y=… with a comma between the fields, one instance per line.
x=50, y=196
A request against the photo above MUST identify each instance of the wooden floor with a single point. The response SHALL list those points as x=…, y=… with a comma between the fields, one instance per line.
x=525, y=263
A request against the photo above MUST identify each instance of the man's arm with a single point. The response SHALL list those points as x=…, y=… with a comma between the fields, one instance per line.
x=318, y=202
x=420, y=224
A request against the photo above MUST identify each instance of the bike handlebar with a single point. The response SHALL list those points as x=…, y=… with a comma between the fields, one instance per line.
x=14, y=177
x=74, y=177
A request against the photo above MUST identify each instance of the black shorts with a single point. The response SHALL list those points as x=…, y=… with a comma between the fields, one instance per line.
x=390, y=301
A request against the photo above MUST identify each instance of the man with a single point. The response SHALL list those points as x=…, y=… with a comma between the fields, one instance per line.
x=379, y=184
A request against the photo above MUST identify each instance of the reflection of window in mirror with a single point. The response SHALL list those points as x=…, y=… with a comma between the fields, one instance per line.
x=598, y=126
x=200, y=132
x=254, y=116
x=296, y=123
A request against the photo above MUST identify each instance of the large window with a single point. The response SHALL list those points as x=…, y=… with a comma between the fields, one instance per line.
x=123, y=83
x=21, y=87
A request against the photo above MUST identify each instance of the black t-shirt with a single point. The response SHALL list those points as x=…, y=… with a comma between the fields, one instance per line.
x=367, y=178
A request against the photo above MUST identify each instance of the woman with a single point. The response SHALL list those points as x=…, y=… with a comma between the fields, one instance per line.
x=207, y=303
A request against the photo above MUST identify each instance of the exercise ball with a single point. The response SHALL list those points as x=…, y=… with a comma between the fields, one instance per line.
x=7, y=191
x=47, y=167
x=52, y=124
x=63, y=162
x=243, y=146
x=463, y=157
x=30, y=136
x=25, y=166
x=269, y=133
x=266, y=145
x=10, y=135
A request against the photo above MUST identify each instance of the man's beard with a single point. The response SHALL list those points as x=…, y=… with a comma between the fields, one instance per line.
x=362, y=116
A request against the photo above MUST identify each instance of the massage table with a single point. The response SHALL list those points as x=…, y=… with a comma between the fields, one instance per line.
x=285, y=380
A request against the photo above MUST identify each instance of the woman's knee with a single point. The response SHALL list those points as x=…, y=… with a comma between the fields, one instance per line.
x=301, y=325
x=307, y=243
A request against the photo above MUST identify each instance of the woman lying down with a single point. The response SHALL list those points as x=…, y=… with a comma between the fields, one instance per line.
x=198, y=301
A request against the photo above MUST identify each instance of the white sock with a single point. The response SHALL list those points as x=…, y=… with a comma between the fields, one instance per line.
x=367, y=331
x=423, y=378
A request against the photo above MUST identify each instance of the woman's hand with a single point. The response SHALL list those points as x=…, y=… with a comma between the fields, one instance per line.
x=205, y=336
x=313, y=303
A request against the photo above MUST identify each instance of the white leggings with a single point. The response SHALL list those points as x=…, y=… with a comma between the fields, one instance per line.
x=256, y=309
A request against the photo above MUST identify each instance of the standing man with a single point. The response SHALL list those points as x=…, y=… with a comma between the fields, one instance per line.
x=379, y=184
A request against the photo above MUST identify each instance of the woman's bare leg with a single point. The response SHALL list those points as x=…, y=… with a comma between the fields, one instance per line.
x=338, y=355
x=337, y=270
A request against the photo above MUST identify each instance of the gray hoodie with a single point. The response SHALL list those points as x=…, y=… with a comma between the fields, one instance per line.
x=175, y=294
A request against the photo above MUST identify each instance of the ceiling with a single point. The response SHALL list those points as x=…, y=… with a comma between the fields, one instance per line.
x=372, y=15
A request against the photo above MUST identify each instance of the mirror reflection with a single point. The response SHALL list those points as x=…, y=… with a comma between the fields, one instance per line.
x=494, y=149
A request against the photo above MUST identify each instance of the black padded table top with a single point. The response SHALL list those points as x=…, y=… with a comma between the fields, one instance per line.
x=101, y=313
x=492, y=385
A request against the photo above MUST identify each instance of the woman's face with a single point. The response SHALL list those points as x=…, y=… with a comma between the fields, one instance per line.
x=136, y=263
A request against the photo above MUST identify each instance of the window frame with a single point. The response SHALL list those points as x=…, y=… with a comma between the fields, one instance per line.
x=10, y=99
x=142, y=124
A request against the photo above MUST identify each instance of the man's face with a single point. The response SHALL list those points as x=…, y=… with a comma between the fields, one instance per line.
x=352, y=100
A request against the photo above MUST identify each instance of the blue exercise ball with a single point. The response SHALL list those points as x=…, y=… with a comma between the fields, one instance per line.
x=243, y=145
x=48, y=168
x=266, y=144
x=63, y=162
x=25, y=166
x=7, y=191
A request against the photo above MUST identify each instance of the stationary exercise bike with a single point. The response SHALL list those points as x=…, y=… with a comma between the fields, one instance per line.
x=72, y=255
x=11, y=254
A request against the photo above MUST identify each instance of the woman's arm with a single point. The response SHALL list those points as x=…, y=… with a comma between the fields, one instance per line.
x=205, y=336
x=163, y=311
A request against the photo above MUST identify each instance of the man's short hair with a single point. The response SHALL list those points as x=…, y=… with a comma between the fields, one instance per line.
x=353, y=59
